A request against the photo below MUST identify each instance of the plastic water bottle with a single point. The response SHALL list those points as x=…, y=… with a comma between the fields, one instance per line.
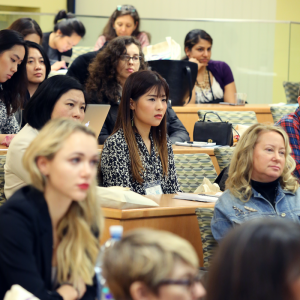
x=103, y=292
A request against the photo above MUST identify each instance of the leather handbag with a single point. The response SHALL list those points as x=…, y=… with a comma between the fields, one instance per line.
x=213, y=132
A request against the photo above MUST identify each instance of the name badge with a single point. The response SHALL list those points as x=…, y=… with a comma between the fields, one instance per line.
x=153, y=188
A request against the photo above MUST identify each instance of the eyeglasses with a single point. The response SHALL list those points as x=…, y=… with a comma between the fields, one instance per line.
x=186, y=282
x=126, y=8
x=127, y=58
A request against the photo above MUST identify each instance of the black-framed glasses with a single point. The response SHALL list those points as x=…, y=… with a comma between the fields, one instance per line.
x=126, y=8
x=189, y=283
x=126, y=57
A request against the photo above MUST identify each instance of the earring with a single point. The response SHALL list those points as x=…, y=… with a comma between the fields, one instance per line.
x=132, y=124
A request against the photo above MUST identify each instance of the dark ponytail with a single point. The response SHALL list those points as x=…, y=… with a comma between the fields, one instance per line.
x=68, y=24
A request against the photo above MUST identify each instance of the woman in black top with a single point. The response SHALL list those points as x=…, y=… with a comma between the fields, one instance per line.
x=50, y=230
x=13, y=79
x=138, y=154
x=58, y=44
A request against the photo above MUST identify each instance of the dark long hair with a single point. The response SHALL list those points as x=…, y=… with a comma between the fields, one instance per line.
x=137, y=85
x=14, y=90
x=27, y=26
x=122, y=10
x=257, y=260
x=193, y=38
x=102, y=82
x=68, y=24
x=39, y=109
x=44, y=55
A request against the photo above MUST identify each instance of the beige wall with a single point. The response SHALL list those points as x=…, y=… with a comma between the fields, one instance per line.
x=45, y=6
x=236, y=9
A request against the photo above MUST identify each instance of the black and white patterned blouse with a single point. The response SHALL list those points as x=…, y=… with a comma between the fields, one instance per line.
x=8, y=124
x=116, y=167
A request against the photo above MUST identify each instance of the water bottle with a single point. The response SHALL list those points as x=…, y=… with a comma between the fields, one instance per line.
x=103, y=292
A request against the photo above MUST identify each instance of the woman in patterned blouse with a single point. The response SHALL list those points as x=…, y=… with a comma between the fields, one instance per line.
x=13, y=79
x=138, y=154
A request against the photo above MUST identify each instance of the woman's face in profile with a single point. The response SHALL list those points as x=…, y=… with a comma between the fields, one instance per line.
x=70, y=105
x=72, y=170
x=268, y=157
x=64, y=43
x=9, y=62
x=185, y=273
x=36, y=69
x=201, y=51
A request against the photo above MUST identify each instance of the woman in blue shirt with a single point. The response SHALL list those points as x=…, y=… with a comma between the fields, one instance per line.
x=260, y=183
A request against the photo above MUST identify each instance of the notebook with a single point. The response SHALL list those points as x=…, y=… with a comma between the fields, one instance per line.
x=95, y=116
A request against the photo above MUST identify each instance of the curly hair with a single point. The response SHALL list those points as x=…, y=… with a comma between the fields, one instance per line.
x=102, y=82
x=241, y=166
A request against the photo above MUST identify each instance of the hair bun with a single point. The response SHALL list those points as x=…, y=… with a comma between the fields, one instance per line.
x=62, y=14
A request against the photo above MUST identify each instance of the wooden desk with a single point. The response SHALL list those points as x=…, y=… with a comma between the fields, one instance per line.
x=193, y=150
x=188, y=115
x=177, y=216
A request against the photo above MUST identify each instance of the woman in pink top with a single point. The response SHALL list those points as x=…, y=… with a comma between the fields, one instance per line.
x=124, y=21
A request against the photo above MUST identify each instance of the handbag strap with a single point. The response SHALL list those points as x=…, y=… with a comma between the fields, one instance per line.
x=211, y=112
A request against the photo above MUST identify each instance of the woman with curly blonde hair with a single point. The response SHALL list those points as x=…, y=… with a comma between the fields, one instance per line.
x=260, y=182
x=50, y=230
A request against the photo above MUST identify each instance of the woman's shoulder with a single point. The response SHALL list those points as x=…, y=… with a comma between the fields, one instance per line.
x=27, y=201
x=219, y=65
x=116, y=140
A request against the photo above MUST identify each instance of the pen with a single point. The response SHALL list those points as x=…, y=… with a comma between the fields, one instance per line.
x=214, y=196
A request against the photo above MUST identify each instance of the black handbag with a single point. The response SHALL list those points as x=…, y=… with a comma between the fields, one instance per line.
x=213, y=132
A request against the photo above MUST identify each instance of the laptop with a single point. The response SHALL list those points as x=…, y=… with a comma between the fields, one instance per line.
x=95, y=116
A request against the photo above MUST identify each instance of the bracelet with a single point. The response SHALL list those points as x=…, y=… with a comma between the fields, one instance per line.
x=76, y=289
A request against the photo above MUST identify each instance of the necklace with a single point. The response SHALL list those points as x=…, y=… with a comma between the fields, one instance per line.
x=203, y=85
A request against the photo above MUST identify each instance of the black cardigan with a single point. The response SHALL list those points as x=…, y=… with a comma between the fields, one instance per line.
x=26, y=246
x=46, y=46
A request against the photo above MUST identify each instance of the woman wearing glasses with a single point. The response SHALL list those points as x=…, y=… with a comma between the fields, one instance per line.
x=157, y=264
x=124, y=21
x=108, y=72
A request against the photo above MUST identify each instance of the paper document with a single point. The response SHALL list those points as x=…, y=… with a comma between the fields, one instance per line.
x=197, y=197
x=195, y=144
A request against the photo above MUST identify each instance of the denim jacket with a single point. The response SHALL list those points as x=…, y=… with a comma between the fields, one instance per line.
x=230, y=211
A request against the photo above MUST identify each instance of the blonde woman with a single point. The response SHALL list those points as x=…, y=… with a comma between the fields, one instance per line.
x=150, y=264
x=49, y=231
x=260, y=182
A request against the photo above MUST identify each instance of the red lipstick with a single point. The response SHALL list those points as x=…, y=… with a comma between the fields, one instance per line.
x=84, y=186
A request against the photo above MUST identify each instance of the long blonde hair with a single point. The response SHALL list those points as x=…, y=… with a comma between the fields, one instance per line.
x=145, y=255
x=79, y=230
x=241, y=166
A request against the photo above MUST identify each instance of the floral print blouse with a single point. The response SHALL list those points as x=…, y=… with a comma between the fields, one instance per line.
x=116, y=167
x=8, y=124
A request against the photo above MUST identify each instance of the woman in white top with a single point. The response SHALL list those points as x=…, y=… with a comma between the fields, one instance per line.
x=58, y=96
x=124, y=21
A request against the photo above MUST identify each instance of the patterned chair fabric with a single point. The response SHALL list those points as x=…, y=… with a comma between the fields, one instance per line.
x=279, y=111
x=209, y=244
x=77, y=50
x=235, y=117
x=192, y=168
x=291, y=91
x=223, y=156
x=2, y=163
